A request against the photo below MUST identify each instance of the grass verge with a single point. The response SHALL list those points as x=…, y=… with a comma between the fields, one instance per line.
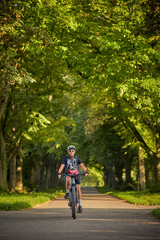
x=156, y=212
x=135, y=197
x=19, y=201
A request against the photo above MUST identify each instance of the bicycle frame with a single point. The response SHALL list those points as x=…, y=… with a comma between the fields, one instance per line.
x=70, y=190
x=73, y=193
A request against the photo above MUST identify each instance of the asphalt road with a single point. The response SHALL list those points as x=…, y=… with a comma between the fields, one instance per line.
x=103, y=217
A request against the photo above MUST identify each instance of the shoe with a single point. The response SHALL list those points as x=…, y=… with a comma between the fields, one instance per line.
x=79, y=209
x=66, y=195
x=70, y=204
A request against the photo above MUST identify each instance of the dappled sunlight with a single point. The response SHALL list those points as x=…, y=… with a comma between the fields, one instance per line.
x=99, y=201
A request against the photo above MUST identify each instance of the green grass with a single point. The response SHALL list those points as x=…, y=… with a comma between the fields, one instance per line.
x=19, y=201
x=134, y=197
x=156, y=212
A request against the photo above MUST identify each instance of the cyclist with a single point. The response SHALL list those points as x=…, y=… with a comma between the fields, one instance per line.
x=71, y=164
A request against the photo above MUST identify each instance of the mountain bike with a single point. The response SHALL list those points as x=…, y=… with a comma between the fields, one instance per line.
x=73, y=194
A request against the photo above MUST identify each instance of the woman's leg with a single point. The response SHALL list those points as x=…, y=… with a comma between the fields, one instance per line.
x=68, y=182
x=79, y=191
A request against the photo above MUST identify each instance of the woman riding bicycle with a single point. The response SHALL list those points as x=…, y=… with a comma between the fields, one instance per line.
x=71, y=164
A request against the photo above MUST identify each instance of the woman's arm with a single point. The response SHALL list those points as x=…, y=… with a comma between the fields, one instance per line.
x=84, y=168
x=60, y=169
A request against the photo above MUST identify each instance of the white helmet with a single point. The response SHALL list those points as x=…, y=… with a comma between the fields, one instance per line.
x=71, y=147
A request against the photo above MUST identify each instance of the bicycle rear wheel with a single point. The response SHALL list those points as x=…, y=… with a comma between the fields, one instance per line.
x=73, y=202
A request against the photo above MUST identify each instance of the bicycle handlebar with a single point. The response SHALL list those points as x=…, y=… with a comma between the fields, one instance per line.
x=72, y=176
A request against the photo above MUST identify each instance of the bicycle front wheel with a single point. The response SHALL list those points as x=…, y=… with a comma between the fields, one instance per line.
x=73, y=202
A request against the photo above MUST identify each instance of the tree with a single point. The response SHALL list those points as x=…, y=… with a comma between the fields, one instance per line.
x=57, y=54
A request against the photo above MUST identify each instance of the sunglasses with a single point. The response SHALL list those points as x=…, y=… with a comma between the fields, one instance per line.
x=71, y=150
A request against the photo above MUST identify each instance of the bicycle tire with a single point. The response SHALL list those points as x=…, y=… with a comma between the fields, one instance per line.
x=73, y=202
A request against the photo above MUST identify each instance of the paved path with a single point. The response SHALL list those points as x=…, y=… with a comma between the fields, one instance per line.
x=104, y=217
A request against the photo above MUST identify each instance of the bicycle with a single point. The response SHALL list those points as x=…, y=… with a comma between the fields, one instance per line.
x=73, y=193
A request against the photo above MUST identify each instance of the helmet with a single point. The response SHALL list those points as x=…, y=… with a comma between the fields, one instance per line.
x=71, y=147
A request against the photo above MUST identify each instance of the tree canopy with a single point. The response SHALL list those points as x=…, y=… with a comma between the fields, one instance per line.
x=80, y=72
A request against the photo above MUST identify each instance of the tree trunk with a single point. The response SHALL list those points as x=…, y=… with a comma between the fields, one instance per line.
x=54, y=177
x=128, y=163
x=3, y=161
x=51, y=179
x=19, y=183
x=156, y=168
x=109, y=178
x=141, y=173
x=105, y=178
x=12, y=174
x=113, y=181
x=33, y=176
x=118, y=174
x=42, y=173
x=38, y=174
x=48, y=176
x=158, y=160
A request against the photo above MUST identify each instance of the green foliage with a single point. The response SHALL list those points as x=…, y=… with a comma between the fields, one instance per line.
x=142, y=198
x=95, y=177
x=134, y=197
x=156, y=213
x=155, y=189
x=79, y=72
x=17, y=201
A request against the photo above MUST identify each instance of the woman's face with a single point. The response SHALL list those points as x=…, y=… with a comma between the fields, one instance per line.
x=71, y=153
